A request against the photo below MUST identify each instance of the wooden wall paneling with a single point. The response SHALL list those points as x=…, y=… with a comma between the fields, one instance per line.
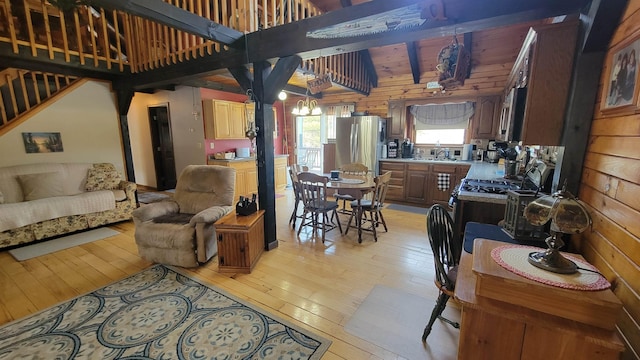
x=623, y=168
x=623, y=146
x=628, y=125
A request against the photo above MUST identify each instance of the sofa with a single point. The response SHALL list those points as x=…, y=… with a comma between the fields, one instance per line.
x=42, y=201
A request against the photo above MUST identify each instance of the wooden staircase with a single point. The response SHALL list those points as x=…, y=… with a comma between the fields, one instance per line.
x=23, y=93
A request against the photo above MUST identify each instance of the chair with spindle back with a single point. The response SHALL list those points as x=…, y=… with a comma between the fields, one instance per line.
x=349, y=169
x=446, y=255
x=313, y=190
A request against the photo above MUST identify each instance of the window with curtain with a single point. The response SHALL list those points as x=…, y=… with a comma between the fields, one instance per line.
x=335, y=111
x=441, y=123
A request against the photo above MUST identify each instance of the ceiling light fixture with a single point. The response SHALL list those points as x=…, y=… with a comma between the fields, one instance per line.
x=306, y=107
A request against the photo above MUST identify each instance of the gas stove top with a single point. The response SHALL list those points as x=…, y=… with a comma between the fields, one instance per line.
x=497, y=186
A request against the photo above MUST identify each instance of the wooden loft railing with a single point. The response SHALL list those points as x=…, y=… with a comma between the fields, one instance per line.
x=117, y=39
x=114, y=37
x=22, y=91
x=89, y=34
x=345, y=69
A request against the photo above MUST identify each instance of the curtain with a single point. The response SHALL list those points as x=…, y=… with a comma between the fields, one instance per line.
x=449, y=116
x=340, y=110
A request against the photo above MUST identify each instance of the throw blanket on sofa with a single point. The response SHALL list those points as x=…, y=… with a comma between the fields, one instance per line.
x=15, y=215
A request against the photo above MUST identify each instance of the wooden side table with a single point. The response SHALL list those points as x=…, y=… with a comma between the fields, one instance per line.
x=240, y=241
x=503, y=327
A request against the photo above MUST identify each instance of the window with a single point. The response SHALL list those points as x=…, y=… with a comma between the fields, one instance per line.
x=440, y=136
x=334, y=111
x=441, y=123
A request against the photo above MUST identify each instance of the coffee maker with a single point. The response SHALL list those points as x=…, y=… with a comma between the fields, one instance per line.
x=407, y=149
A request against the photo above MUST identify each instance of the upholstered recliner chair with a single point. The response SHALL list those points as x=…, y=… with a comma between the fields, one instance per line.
x=180, y=231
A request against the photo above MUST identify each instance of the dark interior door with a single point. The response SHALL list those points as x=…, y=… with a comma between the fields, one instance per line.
x=162, y=143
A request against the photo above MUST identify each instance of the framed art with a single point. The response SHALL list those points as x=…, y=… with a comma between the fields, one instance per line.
x=621, y=82
x=42, y=142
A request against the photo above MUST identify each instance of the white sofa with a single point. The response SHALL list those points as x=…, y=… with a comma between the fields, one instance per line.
x=40, y=201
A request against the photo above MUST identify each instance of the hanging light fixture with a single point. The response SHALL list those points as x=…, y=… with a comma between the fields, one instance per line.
x=306, y=107
x=252, y=129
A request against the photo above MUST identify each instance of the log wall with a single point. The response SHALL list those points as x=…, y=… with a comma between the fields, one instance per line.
x=610, y=186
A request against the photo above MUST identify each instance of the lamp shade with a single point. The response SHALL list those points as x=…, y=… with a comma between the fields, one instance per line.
x=567, y=214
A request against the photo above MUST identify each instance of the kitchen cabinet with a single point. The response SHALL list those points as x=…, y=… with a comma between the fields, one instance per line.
x=455, y=172
x=397, y=114
x=280, y=172
x=395, y=191
x=486, y=119
x=224, y=119
x=246, y=175
x=250, y=109
x=543, y=67
x=240, y=241
x=416, y=183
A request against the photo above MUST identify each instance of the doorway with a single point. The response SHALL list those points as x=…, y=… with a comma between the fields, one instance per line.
x=162, y=144
x=310, y=135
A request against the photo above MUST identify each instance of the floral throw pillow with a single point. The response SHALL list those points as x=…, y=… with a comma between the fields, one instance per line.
x=102, y=176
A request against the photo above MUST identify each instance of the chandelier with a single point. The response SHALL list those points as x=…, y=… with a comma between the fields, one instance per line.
x=306, y=107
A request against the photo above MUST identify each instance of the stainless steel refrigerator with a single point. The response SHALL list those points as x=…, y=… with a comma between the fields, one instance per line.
x=361, y=139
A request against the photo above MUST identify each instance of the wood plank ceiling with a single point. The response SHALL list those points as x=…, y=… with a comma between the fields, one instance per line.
x=393, y=54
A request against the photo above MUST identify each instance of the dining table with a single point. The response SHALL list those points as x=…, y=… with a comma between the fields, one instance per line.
x=357, y=186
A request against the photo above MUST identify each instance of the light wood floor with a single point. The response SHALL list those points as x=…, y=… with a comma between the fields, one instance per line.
x=317, y=286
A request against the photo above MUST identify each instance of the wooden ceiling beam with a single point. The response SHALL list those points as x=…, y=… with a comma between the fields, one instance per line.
x=175, y=17
x=463, y=16
x=414, y=62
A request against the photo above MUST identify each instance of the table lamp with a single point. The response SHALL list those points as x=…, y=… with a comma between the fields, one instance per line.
x=568, y=216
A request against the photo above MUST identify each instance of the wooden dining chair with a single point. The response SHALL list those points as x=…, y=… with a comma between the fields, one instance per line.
x=313, y=190
x=349, y=169
x=446, y=255
x=372, y=206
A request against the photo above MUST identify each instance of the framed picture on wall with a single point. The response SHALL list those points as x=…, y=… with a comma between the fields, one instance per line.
x=621, y=82
x=42, y=142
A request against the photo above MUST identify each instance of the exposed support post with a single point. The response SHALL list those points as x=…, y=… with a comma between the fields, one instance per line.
x=590, y=57
x=412, y=51
x=265, y=156
x=125, y=96
x=265, y=85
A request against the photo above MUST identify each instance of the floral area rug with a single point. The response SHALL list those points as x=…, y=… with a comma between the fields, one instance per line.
x=157, y=314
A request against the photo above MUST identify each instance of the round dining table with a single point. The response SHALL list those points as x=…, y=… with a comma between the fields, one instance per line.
x=357, y=186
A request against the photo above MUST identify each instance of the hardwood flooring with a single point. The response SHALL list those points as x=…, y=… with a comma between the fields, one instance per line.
x=317, y=286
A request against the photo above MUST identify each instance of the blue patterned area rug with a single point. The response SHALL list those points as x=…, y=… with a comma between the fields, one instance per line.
x=157, y=314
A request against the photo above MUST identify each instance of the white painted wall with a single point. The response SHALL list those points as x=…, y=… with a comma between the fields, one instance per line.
x=187, y=130
x=87, y=120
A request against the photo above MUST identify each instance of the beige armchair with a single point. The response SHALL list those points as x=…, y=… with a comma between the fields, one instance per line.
x=180, y=231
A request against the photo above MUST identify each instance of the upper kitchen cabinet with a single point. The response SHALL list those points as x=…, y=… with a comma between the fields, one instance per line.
x=251, y=114
x=224, y=119
x=543, y=70
x=486, y=119
x=397, y=115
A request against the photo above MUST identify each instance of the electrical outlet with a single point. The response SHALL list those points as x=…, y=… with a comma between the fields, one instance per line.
x=199, y=145
x=211, y=145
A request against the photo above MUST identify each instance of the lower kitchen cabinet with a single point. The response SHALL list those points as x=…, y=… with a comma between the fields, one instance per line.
x=440, y=191
x=280, y=172
x=416, y=183
x=395, y=191
x=247, y=174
